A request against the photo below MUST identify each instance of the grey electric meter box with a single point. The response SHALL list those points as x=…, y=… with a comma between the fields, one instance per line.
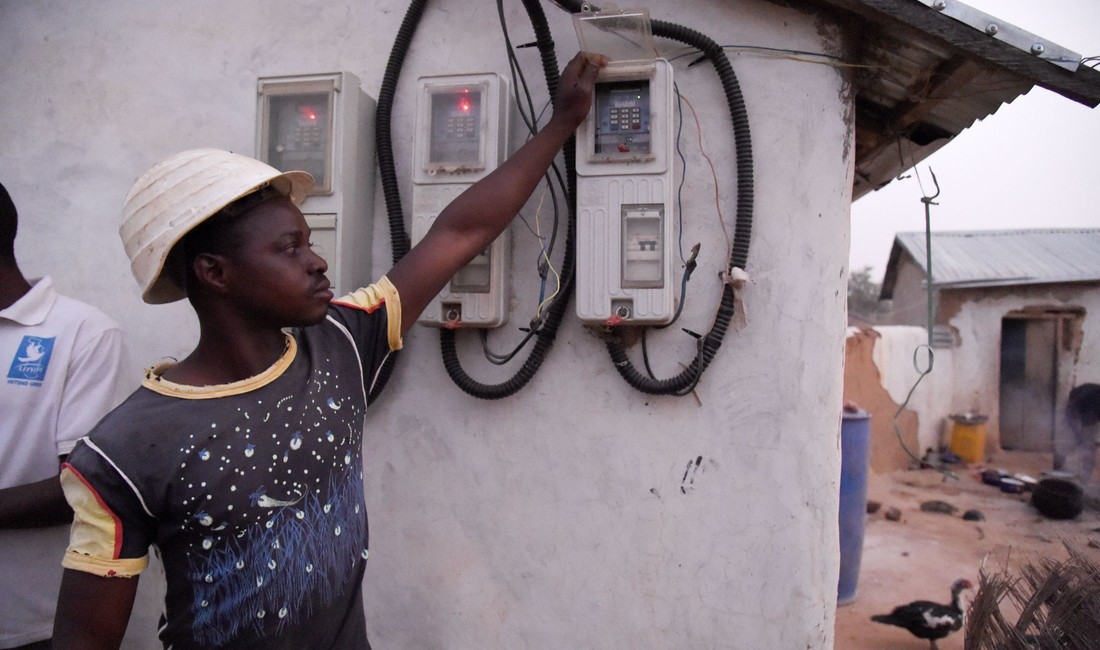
x=621, y=129
x=463, y=133
x=625, y=211
x=321, y=123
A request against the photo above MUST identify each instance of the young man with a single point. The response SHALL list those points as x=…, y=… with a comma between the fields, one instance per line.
x=241, y=463
x=61, y=360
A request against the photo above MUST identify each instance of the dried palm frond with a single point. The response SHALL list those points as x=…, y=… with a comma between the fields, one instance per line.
x=1055, y=606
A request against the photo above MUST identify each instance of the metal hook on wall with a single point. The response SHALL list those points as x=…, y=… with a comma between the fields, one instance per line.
x=901, y=159
x=928, y=200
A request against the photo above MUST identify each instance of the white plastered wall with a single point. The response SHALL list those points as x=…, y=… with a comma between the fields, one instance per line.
x=901, y=356
x=978, y=322
x=580, y=512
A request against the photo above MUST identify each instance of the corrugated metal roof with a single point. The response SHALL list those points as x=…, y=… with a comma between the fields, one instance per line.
x=928, y=69
x=1001, y=257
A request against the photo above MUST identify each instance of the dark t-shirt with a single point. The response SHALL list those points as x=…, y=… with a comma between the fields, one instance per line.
x=251, y=492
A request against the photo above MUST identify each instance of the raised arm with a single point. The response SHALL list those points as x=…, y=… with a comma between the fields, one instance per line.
x=476, y=217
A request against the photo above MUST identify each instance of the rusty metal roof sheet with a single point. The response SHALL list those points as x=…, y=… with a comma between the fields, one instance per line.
x=928, y=69
x=994, y=258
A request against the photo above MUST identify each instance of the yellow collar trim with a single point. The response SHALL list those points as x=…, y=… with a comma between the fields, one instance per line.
x=155, y=382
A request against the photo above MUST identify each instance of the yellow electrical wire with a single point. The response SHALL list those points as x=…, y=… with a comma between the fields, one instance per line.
x=545, y=256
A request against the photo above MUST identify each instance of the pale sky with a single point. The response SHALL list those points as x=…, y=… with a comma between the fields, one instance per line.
x=1032, y=164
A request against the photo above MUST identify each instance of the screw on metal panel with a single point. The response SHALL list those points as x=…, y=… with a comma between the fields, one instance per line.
x=992, y=29
x=939, y=5
x=1038, y=48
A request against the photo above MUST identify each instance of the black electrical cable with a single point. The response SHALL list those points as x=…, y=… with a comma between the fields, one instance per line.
x=383, y=139
x=501, y=359
x=689, y=267
x=708, y=345
x=530, y=120
x=552, y=321
x=399, y=239
x=683, y=176
x=519, y=81
x=686, y=381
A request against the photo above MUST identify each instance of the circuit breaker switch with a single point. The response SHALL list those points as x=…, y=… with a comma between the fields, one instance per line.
x=476, y=276
x=643, y=246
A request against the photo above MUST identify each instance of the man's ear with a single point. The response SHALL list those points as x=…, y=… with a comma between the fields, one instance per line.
x=210, y=272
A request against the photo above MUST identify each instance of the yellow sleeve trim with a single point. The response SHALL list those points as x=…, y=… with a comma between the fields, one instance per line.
x=127, y=568
x=96, y=533
x=370, y=298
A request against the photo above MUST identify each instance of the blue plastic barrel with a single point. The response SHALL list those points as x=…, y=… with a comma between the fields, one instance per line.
x=855, y=440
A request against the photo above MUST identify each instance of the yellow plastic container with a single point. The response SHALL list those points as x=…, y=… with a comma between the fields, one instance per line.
x=968, y=437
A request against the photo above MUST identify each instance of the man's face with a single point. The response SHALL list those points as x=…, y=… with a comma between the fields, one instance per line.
x=275, y=275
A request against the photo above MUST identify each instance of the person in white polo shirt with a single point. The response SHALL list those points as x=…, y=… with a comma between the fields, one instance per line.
x=61, y=361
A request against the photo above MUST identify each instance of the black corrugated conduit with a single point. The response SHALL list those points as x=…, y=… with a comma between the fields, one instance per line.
x=548, y=330
x=399, y=239
x=708, y=345
x=383, y=142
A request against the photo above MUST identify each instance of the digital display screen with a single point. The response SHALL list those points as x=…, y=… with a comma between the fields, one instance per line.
x=622, y=118
x=300, y=131
x=456, y=127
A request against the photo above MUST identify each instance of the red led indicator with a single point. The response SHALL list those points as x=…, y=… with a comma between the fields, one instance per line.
x=308, y=113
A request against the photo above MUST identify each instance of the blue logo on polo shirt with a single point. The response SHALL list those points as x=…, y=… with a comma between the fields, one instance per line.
x=31, y=359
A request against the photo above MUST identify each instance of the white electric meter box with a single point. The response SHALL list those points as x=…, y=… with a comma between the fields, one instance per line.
x=624, y=149
x=323, y=124
x=463, y=126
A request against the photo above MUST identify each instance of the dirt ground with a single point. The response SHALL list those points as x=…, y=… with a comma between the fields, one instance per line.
x=920, y=556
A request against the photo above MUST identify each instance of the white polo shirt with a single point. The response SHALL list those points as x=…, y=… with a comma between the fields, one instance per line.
x=60, y=363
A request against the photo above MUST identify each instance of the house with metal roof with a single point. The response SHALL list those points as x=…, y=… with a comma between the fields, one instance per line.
x=1011, y=306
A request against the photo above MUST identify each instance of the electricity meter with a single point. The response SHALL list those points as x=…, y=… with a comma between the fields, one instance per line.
x=625, y=213
x=321, y=124
x=462, y=130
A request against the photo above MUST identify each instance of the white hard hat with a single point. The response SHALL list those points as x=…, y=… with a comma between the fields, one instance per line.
x=181, y=192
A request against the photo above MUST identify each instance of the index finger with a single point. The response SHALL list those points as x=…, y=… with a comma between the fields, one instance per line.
x=583, y=62
x=592, y=63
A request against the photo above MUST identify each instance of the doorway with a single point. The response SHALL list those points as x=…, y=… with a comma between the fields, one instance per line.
x=1037, y=354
